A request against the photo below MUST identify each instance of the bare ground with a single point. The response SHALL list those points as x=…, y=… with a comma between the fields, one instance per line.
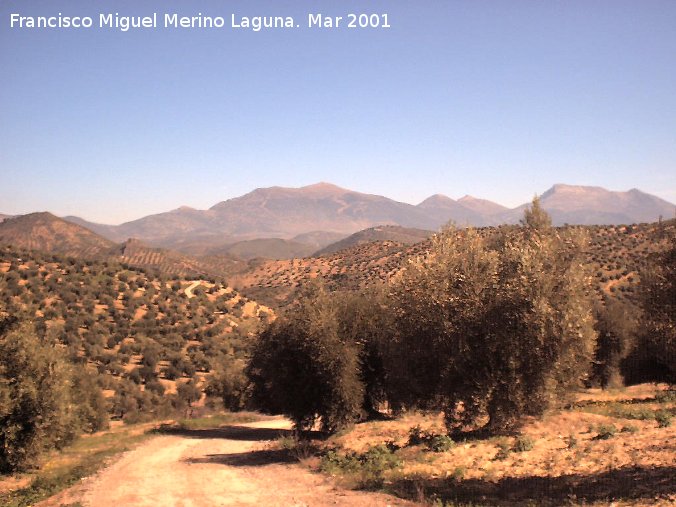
x=231, y=466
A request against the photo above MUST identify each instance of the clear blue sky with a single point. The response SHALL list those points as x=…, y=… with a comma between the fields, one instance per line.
x=495, y=99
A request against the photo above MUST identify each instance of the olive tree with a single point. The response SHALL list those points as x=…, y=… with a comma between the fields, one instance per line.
x=492, y=327
x=45, y=401
x=302, y=367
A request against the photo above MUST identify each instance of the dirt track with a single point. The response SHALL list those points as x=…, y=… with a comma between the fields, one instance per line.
x=228, y=466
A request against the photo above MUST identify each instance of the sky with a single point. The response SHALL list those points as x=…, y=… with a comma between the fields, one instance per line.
x=495, y=99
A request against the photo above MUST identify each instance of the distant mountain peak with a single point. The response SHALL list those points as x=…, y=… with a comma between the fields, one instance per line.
x=436, y=199
x=562, y=188
x=323, y=187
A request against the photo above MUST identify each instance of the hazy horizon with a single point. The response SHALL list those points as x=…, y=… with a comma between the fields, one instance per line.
x=496, y=100
x=526, y=201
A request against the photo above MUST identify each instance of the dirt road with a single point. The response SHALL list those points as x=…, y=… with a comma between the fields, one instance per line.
x=226, y=467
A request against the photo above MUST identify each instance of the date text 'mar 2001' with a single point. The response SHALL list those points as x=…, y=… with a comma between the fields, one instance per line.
x=352, y=21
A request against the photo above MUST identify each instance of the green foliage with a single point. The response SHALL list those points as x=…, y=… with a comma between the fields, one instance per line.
x=230, y=384
x=188, y=392
x=536, y=217
x=504, y=450
x=302, y=366
x=621, y=410
x=605, y=431
x=368, y=467
x=84, y=458
x=571, y=441
x=364, y=319
x=432, y=441
x=523, y=443
x=663, y=418
x=492, y=328
x=617, y=326
x=668, y=396
x=653, y=357
x=105, y=313
x=45, y=401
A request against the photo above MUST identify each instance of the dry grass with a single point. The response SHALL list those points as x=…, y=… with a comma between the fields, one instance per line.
x=576, y=457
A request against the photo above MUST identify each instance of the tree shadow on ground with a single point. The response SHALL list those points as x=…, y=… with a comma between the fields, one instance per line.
x=231, y=432
x=247, y=459
x=630, y=483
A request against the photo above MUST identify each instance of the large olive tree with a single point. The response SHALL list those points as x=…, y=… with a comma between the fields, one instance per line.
x=492, y=326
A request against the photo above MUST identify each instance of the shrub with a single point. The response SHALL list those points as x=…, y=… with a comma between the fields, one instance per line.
x=605, y=431
x=663, y=418
x=571, y=441
x=432, y=441
x=369, y=467
x=230, y=384
x=440, y=443
x=504, y=449
x=668, y=396
x=616, y=323
x=523, y=443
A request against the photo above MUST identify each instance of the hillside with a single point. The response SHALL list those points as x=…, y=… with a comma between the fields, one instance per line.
x=135, y=253
x=50, y=234
x=268, y=248
x=325, y=209
x=319, y=239
x=144, y=334
x=615, y=255
x=393, y=233
x=46, y=232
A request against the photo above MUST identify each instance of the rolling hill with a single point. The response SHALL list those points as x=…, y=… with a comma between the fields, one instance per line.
x=393, y=233
x=615, y=255
x=267, y=248
x=46, y=232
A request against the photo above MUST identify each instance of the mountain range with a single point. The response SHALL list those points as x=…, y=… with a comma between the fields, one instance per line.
x=279, y=222
x=323, y=208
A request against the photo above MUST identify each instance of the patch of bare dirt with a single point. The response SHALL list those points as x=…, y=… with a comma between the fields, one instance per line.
x=231, y=466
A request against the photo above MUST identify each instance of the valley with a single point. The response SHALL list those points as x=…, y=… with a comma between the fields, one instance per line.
x=168, y=335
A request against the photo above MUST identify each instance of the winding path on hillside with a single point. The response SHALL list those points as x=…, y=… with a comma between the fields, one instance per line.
x=230, y=466
x=189, y=290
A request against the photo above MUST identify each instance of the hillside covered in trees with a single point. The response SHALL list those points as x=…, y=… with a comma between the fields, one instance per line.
x=154, y=344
